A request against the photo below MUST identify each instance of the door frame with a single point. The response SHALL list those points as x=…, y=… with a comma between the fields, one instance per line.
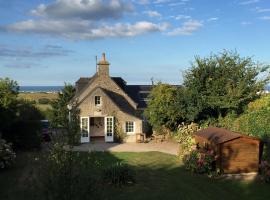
x=85, y=139
x=108, y=138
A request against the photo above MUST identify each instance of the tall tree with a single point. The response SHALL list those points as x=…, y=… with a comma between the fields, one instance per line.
x=64, y=118
x=8, y=102
x=161, y=109
x=223, y=83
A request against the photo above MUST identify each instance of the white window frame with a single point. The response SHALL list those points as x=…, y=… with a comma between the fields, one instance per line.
x=83, y=137
x=100, y=101
x=129, y=132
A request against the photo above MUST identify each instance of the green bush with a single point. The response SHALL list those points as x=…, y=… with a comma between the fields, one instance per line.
x=184, y=136
x=119, y=174
x=7, y=155
x=65, y=175
x=25, y=135
x=200, y=161
x=44, y=101
x=265, y=171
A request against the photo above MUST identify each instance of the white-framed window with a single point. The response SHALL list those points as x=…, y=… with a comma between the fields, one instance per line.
x=97, y=100
x=130, y=127
x=84, y=126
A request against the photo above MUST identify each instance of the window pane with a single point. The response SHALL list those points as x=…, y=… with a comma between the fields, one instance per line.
x=84, y=127
x=129, y=127
x=97, y=100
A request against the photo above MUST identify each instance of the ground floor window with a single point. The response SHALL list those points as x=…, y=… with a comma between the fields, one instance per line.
x=130, y=127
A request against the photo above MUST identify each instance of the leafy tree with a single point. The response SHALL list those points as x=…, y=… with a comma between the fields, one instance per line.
x=20, y=120
x=8, y=102
x=222, y=83
x=161, y=109
x=60, y=113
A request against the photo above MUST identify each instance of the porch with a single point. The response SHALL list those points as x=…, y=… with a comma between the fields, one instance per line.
x=99, y=128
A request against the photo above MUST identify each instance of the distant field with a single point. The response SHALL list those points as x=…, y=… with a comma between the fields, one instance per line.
x=39, y=95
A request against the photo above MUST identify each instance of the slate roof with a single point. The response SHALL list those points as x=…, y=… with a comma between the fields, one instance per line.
x=217, y=135
x=137, y=93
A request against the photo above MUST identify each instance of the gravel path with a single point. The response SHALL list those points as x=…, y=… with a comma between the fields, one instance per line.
x=165, y=147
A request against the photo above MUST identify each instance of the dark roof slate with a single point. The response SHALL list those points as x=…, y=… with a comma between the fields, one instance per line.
x=138, y=93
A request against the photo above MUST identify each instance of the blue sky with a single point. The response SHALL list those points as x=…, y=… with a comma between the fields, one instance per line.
x=49, y=42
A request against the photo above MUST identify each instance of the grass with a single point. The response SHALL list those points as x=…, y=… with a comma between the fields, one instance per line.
x=38, y=95
x=158, y=176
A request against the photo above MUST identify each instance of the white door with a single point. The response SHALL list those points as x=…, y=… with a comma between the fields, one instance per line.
x=85, y=130
x=109, y=129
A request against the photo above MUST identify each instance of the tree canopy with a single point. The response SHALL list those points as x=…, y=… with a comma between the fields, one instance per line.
x=60, y=113
x=223, y=83
x=213, y=87
x=160, y=109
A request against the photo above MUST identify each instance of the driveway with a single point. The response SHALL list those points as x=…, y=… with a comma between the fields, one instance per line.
x=165, y=147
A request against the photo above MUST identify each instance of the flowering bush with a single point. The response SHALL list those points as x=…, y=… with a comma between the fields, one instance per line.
x=200, y=161
x=7, y=155
x=184, y=136
x=265, y=171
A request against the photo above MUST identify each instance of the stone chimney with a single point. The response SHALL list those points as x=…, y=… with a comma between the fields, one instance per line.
x=103, y=66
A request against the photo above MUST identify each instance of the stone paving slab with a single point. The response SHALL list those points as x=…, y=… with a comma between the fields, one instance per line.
x=165, y=147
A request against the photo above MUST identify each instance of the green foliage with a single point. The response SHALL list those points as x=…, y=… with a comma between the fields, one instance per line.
x=221, y=84
x=60, y=114
x=65, y=175
x=8, y=102
x=160, y=109
x=7, y=155
x=19, y=118
x=44, y=101
x=200, y=161
x=119, y=174
x=184, y=136
x=265, y=171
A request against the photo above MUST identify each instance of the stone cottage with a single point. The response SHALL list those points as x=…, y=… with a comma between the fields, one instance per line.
x=109, y=107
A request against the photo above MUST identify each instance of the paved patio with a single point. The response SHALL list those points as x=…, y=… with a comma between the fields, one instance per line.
x=165, y=147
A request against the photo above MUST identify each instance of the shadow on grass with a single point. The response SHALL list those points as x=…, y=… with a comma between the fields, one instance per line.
x=158, y=176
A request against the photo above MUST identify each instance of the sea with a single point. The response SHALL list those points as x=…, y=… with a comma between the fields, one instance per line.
x=47, y=89
x=54, y=89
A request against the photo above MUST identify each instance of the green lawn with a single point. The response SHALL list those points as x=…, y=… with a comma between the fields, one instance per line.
x=158, y=176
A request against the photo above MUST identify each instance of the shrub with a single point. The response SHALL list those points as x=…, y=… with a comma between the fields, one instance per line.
x=65, y=175
x=7, y=155
x=184, y=136
x=44, y=101
x=119, y=174
x=265, y=171
x=200, y=161
x=25, y=135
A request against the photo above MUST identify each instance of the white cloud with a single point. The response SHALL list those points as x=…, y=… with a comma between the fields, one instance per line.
x=249, y=2
x=85, y=30
x=212, y=19
x=262, y=10
x=83, y=9
x=245, y=23
x=187, y=29
x=143, y=2
x=152, y=13
x=180, y=17
x=161, y=1
x=265, y=18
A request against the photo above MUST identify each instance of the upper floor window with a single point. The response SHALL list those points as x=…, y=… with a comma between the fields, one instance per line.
x=97, y=100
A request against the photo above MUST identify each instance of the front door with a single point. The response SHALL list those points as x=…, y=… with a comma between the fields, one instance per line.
x=85, y=130
x=109, y=129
